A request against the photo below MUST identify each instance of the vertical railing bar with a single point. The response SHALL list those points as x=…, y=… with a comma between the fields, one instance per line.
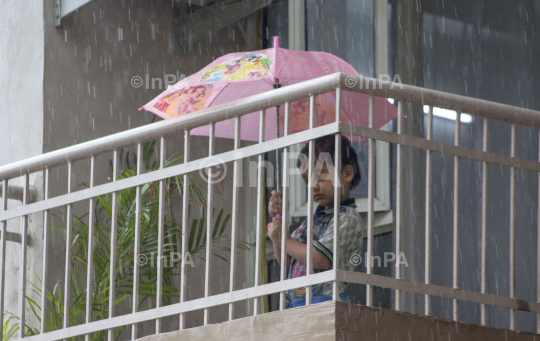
x=337, y=194
x=311, y=185
x=429, y=170
x=3, y=224
x=161, y=232
x=46, y=217
x=483, y=255
x=309, y=234
x=284, y=207
x=537, y=247
x=22, y=264
x=210, y=202
x=371, y=195
x=69, y=237
x=260, y=201
x=457, y=138
x=399, y=202
x=90, y=257
x=185, y=222
x=112, y=273
x=512, y=278
x=236, y=184
x=137, y=242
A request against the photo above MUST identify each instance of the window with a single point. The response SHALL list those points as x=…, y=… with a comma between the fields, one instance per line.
x=345, y=28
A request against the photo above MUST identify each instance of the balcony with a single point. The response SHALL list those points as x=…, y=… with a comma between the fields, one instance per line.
x=133, y=319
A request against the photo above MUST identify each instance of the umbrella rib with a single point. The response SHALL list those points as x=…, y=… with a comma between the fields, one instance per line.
x=216, y=96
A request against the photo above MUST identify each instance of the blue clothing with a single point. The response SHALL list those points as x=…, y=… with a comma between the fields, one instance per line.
x=300, y=302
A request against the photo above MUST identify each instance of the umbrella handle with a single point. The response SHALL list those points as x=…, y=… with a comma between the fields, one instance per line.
x=278, y=215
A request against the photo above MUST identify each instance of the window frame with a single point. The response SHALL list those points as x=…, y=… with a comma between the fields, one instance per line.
x=383, y=219
x=63, y=8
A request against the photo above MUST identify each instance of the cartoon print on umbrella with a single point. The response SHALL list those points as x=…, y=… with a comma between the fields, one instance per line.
x=250, y=66
x=185, y=101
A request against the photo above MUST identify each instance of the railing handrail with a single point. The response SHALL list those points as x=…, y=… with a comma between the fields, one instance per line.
x=294, y=92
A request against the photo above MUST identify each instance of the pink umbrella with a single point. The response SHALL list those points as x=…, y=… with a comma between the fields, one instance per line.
x=239, y=75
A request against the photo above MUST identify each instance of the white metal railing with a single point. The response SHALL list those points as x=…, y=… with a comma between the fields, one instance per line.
x=284, y=96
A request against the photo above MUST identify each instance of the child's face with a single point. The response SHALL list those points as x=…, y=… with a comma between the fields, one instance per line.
x=323, y=190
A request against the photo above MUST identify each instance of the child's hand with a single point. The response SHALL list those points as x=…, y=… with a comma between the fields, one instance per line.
x=274, y=206
x=274, y=231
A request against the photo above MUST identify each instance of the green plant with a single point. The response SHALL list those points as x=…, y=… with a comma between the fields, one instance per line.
x=9, y=331
x=126, y=213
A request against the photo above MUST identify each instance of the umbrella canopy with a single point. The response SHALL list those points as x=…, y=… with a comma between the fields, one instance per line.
x=239, y=75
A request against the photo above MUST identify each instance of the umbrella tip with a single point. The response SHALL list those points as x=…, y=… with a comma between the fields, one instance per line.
x=276, y=42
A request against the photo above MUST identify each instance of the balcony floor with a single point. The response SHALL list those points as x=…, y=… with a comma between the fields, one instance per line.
x=342, y=321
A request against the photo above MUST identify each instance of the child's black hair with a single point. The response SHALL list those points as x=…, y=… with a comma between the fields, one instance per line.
x=327, y=144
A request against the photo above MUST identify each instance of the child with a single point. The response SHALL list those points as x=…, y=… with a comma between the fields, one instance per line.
x=323, y=221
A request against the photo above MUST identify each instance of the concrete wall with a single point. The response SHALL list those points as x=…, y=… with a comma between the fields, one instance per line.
x=21, y=80
x=342, y=321
x=21, y=124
